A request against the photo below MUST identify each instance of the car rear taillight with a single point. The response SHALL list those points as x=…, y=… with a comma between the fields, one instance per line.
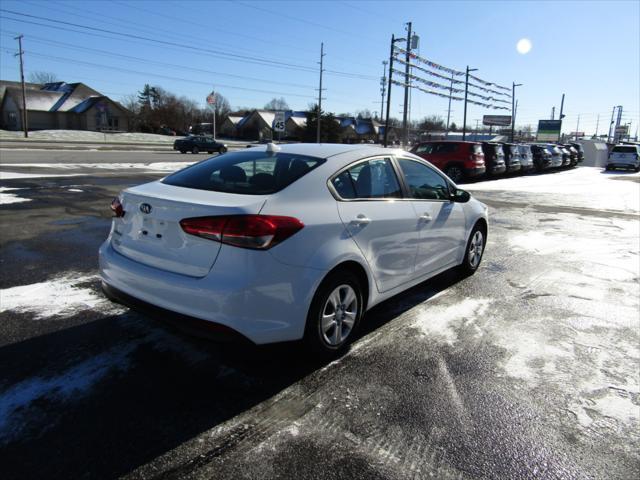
x=116, y=208
x=259, y=232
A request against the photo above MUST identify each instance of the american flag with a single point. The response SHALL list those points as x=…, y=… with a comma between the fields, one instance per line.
x=211, y=98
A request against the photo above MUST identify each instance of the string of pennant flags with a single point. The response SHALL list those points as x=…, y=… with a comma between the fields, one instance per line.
x=484, y=87
x=433, y=92
x=429, y=83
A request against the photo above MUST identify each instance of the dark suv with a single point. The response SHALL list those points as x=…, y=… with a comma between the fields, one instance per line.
x=458, y=160
x=199, y=143
x=580, y=149
x=511, y=157
x=494, y=158
x=541, y=157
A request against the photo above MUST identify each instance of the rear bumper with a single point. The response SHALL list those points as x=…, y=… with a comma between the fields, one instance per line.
x=514, y=167
x=497, y=169
x=247, y=291
x=623, y=164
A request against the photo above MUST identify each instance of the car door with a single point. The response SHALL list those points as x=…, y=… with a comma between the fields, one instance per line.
x=383, y=228
x=441, y=222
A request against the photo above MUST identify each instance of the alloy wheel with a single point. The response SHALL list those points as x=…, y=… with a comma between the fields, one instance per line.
x=475, y=249
x=339, y=315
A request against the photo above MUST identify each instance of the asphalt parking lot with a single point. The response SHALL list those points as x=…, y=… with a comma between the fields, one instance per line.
x=528, y=369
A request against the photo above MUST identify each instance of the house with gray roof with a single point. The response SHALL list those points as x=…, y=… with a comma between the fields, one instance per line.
x=60, y=105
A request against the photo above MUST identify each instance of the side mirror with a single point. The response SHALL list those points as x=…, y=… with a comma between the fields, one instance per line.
x=460, y=196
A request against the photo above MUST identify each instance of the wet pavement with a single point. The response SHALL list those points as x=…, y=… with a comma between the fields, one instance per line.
x=528, y=369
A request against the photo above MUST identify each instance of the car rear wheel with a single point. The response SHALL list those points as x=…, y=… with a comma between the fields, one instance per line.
x=475, y=250
x=222, y=150
x=334, y=314
x=455, y=173
x=195, y=150
x=183, y=151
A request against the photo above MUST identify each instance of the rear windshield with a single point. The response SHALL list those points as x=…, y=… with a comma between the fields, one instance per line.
x=499, y=150
x=525, y=149
x=248, y=172
x=624, y=149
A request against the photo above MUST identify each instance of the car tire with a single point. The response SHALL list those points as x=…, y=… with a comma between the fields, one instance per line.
x=195, y=150
x=183, y=151
x=222, y=150
x=472, y=259
x=607, y=168
x=637, y=169
x=334, y=314
x=455, y=173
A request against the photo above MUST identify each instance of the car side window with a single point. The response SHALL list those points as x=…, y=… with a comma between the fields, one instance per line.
x=446, y=148
x=369, y=179
x=423, y=182
x=425, y=148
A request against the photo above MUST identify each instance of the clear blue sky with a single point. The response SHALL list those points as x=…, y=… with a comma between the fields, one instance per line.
x=589, y=50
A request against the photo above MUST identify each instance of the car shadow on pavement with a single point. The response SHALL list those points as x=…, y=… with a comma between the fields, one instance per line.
x=102, y=398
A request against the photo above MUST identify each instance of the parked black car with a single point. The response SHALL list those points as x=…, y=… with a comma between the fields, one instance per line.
x=493, y=158
x=566, y=156
x=199, y=143
x=511, y=157
x=573, y=154
x=541, y=157
x=580, y=149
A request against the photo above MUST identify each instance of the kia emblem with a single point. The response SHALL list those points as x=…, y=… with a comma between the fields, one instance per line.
x=145, y=208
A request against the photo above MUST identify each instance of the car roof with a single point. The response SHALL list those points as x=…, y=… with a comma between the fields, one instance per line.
x=326, y=150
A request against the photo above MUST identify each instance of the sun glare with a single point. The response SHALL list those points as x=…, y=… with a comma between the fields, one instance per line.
x=523, y=46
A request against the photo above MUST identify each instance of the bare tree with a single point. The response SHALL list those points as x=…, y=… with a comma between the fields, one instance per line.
x=43, y=77
x=277, y=104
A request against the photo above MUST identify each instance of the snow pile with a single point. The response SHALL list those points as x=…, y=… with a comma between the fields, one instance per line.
x=7, y=198
x=86, y=136
x=61, y=296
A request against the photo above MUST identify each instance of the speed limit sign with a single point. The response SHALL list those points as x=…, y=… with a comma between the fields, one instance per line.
x=278, y=122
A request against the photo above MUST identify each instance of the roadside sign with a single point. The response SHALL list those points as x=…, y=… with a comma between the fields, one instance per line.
x=499, y=120
x=278, y=122
x=549, y=130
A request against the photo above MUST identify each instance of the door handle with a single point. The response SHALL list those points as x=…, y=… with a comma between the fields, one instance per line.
x=361, y=220
x=425, y=217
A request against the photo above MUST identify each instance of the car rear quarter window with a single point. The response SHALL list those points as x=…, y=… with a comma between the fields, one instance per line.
x=371, y=179
x=246, y=172
x=423, y=182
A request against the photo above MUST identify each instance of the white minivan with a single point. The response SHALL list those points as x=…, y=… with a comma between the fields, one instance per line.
x=624, y=156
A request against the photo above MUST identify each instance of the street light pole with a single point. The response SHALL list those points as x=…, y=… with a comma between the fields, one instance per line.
x=24, y=91
x=405, y=127
x=513, y=108
x=449, y=109
x=320, y=92
x=466, y=89
x=386, y=124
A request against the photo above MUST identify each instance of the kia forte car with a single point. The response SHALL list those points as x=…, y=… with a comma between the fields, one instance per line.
x=290, y=242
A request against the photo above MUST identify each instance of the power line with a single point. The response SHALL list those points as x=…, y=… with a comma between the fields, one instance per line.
x=153, y=62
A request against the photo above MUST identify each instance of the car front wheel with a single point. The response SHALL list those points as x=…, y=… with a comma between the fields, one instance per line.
x=334, y=314
x=475, y=250
x=222, y=150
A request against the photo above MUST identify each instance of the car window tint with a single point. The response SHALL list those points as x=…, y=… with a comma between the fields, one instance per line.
x=620, y=149
x=424, y=148
x=246, y=172
x=424, y=183
x=370, y=179
x=447, y=148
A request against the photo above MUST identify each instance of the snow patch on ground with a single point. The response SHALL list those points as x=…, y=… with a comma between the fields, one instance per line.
x=87, y=136
x=68, y=385
x=7, y=198
x=584, y=187
x=14, y=175
x=441, y=320
x=75, y=190
x=60, y=296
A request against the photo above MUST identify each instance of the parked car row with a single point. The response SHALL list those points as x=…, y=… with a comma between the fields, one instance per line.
x=464, y=160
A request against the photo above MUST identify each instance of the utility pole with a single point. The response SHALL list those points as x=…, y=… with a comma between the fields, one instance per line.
x=405, y=127
x=513, y=107
x=616, y=138
x=553, y=113
x=515, y=114
x=597, y=125
x=386, y=125
x=383, y=86
x=24, y=89
x=611, y=125
x=449, y=109
x=320, y=91
x=466, y=89
x=577, y=126
x=561, y=108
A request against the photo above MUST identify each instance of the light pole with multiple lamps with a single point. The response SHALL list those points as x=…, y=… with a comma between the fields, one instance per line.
x=513, y=107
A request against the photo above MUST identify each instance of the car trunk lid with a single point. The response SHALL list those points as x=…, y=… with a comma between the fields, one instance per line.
x=150, y=231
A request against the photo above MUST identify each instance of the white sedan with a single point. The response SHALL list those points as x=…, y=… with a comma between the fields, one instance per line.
x=288, y=242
